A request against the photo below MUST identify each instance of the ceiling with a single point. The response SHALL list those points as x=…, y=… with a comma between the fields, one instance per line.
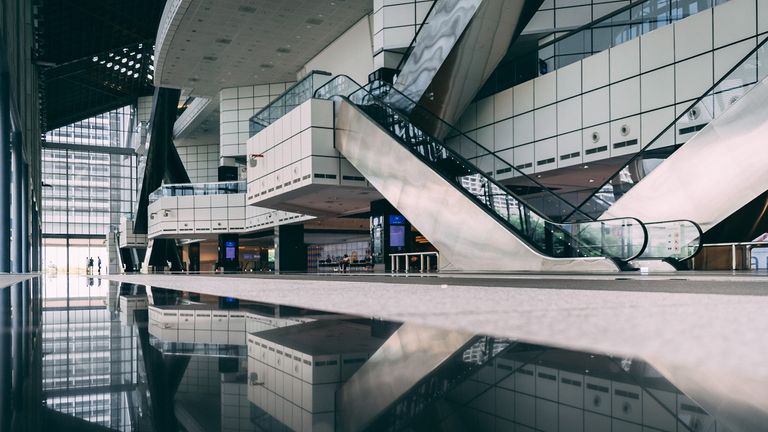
x=228, y=43
x=324, y=200
x=75, y=39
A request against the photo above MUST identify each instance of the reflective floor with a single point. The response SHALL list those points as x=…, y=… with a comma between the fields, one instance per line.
x=111, y=356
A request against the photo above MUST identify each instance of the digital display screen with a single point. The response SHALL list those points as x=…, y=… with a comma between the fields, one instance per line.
x=230, y=250
x=396, y=236
x=248, y=257
x=396, y=220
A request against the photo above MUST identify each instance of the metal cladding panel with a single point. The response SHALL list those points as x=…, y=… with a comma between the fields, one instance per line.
x=409, y=355
x=457, y=49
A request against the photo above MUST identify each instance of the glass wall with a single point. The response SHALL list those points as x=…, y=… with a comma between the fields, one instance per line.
x=561, y=49
x=89, y=183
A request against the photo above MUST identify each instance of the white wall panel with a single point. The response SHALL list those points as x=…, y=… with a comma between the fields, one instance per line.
x=523, y=97
x=653, y=123
x=693, y=77
x=545, y=90
x=484, y=112
x=504, y=134
x=595, y=71
x=569, y=115
x=503, y=107
x=693, y=35
x=657, y=88
x=625, y=98
x=625, y=60
x=545, y=122
x=734, y=21
x=596, y=107
x=569, y=149
x=569, y=81
x=523, y=128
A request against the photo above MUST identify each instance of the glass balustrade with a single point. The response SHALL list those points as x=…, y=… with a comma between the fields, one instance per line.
x=186, y=189
x=294, y=96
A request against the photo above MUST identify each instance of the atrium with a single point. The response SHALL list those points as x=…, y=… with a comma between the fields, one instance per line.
x=384, y=215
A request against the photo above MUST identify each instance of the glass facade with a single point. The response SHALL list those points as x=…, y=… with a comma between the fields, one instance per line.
x=89, y=173
x=90, y=367
x=561, y=49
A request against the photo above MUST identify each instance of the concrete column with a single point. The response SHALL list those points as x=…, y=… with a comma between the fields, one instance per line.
x=290, y=250
x=5, y=243
x=25, y=213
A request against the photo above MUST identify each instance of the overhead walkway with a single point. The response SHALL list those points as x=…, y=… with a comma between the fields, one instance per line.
x=713, y=174
x=475, y=222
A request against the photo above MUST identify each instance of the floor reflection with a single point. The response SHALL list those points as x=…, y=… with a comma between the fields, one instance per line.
x=132, y=358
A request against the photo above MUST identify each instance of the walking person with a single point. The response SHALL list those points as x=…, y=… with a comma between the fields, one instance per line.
x=99, y=264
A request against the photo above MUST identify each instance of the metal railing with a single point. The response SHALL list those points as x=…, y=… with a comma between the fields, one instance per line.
x=749, y=246
x=423, y=257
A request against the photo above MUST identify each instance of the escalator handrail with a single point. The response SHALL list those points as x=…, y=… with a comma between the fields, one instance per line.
x=700, y=237
x=673, y=123
x=465, y=136
x=501, y=187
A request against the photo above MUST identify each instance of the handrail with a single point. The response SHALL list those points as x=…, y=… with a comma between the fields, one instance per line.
x=395, y=262
x=673, y=123
x=733, y=248
x=458, y=132
x=488, y=179
x=680, y=222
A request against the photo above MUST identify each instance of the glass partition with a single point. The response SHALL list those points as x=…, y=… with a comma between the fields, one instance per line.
x=217, y=188
x=296, y=95
x=559, y=50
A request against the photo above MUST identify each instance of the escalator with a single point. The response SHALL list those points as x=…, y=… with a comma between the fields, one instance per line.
x=459, y=38
x=415, y=367
x=472, y=219
x=713, y=174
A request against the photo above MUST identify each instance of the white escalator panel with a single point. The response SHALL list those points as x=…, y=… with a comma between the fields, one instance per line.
x=467, y=237
x=409, y=355
x=716, y=172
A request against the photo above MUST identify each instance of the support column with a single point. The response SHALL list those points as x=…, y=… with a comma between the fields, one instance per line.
x=290, y=250
x=5, y=243
x=17, y=207
x=25, y=217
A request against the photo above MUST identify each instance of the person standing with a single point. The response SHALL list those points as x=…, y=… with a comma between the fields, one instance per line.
x=98, y=261
x=345, y=264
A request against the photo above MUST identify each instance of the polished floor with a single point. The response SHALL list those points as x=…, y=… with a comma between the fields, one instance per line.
x=710, y=326
x=551, y=356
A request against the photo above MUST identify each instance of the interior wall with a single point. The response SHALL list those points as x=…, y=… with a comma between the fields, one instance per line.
x=350, y=54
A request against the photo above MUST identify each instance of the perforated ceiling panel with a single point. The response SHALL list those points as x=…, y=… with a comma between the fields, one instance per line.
x=229, y=43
